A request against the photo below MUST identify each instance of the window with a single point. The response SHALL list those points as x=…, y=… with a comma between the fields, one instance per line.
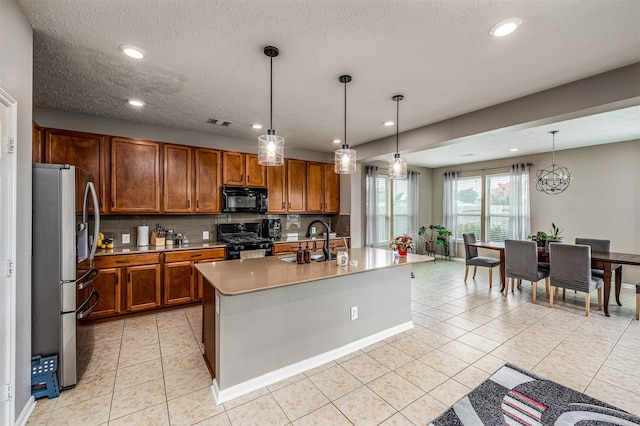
x=483, y=207
x=392, y=208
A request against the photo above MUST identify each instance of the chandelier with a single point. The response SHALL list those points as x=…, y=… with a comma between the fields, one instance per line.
x=553, y=179
x=398, y=165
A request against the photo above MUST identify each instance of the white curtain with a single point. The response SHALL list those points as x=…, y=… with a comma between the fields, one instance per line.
x=413, y=195
x=371, y=211
x=450, y=209
x=519, y=212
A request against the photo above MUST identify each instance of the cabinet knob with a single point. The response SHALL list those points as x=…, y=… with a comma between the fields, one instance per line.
x=197, y=204
x=248, y=178
x=188, y=204
x=113, y=202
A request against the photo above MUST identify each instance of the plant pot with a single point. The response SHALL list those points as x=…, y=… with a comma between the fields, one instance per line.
x=541, y=243
x=402, y=251
x=431, y=246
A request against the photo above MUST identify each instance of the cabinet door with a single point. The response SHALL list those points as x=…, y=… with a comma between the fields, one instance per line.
x=37, y=148
x=276, y=188
x=331, y=189
x=84, y=150
x=296, y=186
x=135, y=176
x=233, y=168
x=143, y=287
x=177, y=179
x=208, y=178
x=108, y=287
x=315, y=191
x=256, y=175
x=199, y=280
x=178, y=283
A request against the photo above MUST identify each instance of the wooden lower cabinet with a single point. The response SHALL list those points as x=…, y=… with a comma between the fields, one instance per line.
x=181, y=281
x=143, y=287
x=108, y=286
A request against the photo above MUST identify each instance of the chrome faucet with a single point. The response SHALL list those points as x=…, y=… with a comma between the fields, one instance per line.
x=325, y=249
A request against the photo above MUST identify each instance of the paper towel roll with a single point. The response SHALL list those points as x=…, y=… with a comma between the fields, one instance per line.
x=143, y=236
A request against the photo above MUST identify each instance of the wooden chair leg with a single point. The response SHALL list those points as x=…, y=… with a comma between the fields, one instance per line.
x=490, y=277
x=587, y=301
x=600, y=299
x=551, y=288
x=475, y=269
x=519, y=283
x=564, y=293
x=535, y=290
x=466, y=272
x=546, y=287
x=506, y=287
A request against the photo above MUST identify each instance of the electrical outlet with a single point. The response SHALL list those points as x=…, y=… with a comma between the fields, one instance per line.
x=126, y=238
x=313, y=230
x=354, y=313
x=205, y=235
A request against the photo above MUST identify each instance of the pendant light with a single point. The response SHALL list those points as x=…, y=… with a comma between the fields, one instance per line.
x=397, y=166
x=345, y=158
x=553, y=179
x=270, y=146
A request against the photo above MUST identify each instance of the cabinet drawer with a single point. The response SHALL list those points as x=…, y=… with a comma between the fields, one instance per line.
x=196, y=255
x=117, y=261
x=286, y=247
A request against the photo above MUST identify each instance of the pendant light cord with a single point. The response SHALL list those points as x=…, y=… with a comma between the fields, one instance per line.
x=271, y=96
x=345, y=115
x=397, y=122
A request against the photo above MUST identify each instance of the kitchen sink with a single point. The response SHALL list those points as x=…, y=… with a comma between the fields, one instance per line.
x=318, y=257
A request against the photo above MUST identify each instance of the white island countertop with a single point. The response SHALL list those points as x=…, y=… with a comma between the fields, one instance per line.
x=241, y=276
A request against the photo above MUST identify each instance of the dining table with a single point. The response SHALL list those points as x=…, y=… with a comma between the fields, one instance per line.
x=608, y=261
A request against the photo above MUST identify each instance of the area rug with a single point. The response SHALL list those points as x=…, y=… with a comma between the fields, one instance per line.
x=513, y=396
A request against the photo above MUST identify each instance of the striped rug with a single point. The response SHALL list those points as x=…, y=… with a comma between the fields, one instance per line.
x=515, y=397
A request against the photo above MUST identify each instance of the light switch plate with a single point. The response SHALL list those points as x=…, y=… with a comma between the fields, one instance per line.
x=126, y=238
x=205, y=235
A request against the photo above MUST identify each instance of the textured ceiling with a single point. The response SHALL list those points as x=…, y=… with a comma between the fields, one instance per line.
x=204, y=60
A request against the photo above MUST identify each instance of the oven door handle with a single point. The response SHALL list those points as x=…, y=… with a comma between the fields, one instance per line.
x=80, y=314
x=88, y=278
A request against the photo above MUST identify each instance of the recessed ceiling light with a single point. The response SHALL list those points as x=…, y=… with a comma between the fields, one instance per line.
x=505, y=27
x=132, y=51
x=136, y=102
x=514, y=149
x=337, y=141
x=389, y=123
x=256, y=126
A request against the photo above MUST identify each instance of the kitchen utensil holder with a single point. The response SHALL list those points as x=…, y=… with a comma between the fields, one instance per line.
x=44, y=381
x=157, y=241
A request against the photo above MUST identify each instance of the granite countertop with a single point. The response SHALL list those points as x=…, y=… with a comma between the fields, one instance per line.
x=158, y=249
x=303, y=239
x=248, y=275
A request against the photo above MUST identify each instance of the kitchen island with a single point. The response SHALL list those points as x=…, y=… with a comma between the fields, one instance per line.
x=268, y=319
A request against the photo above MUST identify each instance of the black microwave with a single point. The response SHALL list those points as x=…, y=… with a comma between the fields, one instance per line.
x=244, y=200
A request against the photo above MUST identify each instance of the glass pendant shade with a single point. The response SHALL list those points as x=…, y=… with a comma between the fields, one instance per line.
x=398, y=167
x=271, y=149
x=345, y=158
x=553, y=179
x=270, y=146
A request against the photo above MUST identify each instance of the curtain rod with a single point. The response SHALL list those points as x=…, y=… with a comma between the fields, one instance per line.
x=489, y=168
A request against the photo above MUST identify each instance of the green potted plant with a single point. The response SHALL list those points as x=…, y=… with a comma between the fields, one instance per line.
x=436, y=235
x=554, y=235
x=540, y=238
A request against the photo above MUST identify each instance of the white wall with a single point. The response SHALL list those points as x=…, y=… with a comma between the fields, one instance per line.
x=602, y=201
x=16, y=78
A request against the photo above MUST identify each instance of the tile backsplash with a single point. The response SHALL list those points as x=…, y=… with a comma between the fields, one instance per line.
x=194, y=225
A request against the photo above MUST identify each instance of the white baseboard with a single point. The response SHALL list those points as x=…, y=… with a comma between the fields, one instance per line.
x=244, y=388
x=26, y=412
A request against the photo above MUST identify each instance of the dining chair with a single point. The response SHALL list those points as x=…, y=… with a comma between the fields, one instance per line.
x=521, y=263
x=571, y=269
x=472, y=259
x=603, y=245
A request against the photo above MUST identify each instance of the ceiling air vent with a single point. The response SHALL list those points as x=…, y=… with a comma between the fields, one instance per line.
x=221, y=123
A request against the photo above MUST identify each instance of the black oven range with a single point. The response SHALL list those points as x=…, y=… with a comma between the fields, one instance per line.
x=243, y=240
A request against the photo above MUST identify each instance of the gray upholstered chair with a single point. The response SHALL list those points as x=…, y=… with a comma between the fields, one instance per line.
x=603, y=245
x=571, y=269
x=521, y=263
x=472, y=259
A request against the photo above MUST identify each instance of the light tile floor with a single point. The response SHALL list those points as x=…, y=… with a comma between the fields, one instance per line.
x=149, y=370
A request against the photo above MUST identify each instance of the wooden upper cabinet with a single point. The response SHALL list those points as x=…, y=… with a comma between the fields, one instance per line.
x=256, y=174
x=240, y=169
x=208, y=178
x=277, y=189
x=331, y=190
x=84, y=150
x=296, y=186
x=315, y=190
x=135, y=176
x=178, y=160
x=37, y=146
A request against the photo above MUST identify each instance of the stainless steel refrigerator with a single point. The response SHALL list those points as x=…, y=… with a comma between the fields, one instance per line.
x=64, y=236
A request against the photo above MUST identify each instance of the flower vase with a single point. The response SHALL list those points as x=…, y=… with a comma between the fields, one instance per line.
x=402, y=251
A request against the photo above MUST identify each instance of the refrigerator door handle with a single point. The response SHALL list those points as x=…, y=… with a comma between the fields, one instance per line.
x=96, y=213
x=87, y=278
x=80, y=313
